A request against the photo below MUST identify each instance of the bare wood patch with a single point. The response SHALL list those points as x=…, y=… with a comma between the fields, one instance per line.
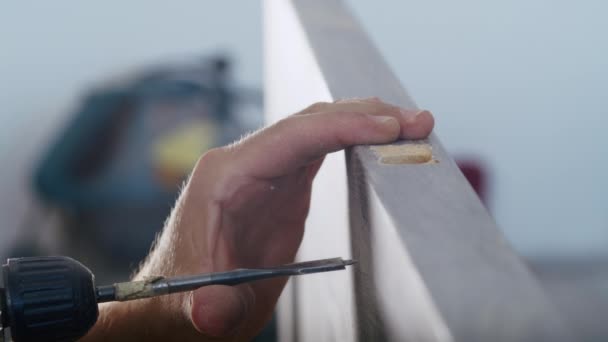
x=408, y=153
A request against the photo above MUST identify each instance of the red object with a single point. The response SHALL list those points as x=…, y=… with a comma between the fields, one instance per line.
x=475, y=173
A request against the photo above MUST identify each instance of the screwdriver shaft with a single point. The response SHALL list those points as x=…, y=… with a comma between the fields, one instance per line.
x=158, y=286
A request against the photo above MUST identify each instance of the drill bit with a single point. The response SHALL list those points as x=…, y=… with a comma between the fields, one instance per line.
x=158, y=286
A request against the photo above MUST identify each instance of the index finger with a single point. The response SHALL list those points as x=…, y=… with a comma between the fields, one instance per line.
x=410, y=128
x=298, y=140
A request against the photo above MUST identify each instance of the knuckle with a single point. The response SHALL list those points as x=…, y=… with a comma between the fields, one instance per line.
x=284, y=122
x=209, y=171
x=354, y=120
x=215, y=153
x=211, y=157
x=315, y=107
x=343, y=100
x=359, y=117
x=350, y=117
x=347, y=100
x=373, y=99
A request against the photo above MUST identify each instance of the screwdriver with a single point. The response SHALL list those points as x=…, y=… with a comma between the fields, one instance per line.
x=55, y=298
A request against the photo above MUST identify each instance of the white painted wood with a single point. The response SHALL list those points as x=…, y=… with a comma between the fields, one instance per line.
x=322, y=309
x=433, y=265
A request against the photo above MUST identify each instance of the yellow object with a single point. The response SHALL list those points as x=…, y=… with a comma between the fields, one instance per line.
x=177, y=151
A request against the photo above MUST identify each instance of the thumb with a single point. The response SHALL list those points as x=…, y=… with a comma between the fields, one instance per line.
x=221, y=311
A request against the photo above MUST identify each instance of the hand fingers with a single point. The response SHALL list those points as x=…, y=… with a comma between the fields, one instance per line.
x=299, y=140
x=411, y=127
x=319, y=107
x=415, y=124
x=322, y=106
x=373, y=99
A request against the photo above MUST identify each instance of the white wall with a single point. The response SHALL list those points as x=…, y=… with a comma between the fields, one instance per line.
x=522, y=84
x=52, y=51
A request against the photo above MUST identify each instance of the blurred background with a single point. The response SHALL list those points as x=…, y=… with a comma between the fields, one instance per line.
x=105, y=107
x=96, y=98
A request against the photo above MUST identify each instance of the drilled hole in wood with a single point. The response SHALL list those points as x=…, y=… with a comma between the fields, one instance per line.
x=405, y=154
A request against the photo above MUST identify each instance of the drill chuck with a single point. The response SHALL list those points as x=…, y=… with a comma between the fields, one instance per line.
x=48, y=299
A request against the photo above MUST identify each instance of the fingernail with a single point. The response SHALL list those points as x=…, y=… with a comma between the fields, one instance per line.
x=411, y=116
x=424, y=111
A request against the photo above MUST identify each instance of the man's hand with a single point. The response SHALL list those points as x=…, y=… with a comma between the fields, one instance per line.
x=245, y=206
